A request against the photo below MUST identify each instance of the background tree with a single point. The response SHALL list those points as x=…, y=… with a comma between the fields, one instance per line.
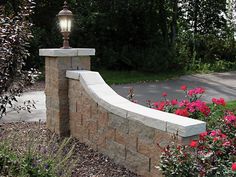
x=206, y=25
x=151, y=35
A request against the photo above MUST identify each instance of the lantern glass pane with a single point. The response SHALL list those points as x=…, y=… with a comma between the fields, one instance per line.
x=63, y=25
x=69, y=25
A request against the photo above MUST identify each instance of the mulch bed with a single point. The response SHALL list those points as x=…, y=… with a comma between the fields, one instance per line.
x=90, y=163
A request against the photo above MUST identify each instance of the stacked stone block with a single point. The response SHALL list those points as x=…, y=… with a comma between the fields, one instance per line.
x=56, y=90
x=126, y=141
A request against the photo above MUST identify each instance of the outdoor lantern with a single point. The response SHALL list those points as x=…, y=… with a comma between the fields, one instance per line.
x=65, y=20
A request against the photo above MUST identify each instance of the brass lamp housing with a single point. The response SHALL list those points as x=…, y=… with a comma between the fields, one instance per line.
x=65, y=17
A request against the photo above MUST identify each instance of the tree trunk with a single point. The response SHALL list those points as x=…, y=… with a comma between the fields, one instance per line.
x=195, y=29
x=195, y=20
x=174, y=22
x=163, y=21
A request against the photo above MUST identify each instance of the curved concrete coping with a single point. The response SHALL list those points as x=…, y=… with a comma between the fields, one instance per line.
x=105, y=96
x=72, y=52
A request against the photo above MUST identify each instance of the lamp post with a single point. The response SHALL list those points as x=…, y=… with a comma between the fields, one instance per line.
x=65, y=20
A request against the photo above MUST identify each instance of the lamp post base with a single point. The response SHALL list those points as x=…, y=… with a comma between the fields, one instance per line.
x=66, y=47
x=66, y=38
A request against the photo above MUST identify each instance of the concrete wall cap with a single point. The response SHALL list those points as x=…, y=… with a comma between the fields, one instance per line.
x=104, y=95
x=72, y=52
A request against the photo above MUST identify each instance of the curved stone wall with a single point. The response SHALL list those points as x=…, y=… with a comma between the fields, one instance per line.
x=123, y=130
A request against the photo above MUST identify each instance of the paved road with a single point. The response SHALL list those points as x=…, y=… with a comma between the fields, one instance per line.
x=216, y=85
x=35, y=115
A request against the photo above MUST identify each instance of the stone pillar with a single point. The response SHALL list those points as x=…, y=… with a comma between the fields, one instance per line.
x=57, y=61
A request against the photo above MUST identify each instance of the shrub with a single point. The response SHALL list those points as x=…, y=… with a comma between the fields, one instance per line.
x=193, y=106
x=214, y=153
x=30, y=155
x=14, y=39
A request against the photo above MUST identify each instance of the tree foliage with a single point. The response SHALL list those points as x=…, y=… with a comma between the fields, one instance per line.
x=151, y=35
x=207, y=38
x=14, y=40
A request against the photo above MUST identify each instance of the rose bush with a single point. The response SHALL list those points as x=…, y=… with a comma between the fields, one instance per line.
x=214, y=153
x=192, y=106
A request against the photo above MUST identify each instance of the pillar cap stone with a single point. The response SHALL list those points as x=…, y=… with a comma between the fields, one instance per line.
x=73, y=52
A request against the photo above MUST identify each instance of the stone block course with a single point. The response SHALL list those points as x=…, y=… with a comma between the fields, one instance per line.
x=123, y=137
x=119, y=123
x=132, y=142
x=102, y=118
x=101, y=143
x=86, y=112
x=78, y=106
x=141, y=130
x=93, y=127
x=146, y=148
x=116, y=151
x=138, y=162
x=109, y=133
x=73, y=105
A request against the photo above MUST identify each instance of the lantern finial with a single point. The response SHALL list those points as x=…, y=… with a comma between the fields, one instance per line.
x=65, y=5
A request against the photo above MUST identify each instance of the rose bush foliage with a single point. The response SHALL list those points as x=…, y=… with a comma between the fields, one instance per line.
x=214, y=152
x=192, y=106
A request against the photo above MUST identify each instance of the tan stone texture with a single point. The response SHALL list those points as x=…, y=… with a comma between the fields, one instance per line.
x=71, y=110
x=126, y=141
x=56, y=90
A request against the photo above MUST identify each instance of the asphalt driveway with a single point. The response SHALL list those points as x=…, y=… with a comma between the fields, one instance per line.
x=216, y=85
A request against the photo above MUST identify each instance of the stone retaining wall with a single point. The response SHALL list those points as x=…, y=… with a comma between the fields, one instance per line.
x=81, y=104
x=125, y=131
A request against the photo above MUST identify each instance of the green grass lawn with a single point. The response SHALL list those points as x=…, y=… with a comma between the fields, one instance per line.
x=231, y=105
x=123, y=77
